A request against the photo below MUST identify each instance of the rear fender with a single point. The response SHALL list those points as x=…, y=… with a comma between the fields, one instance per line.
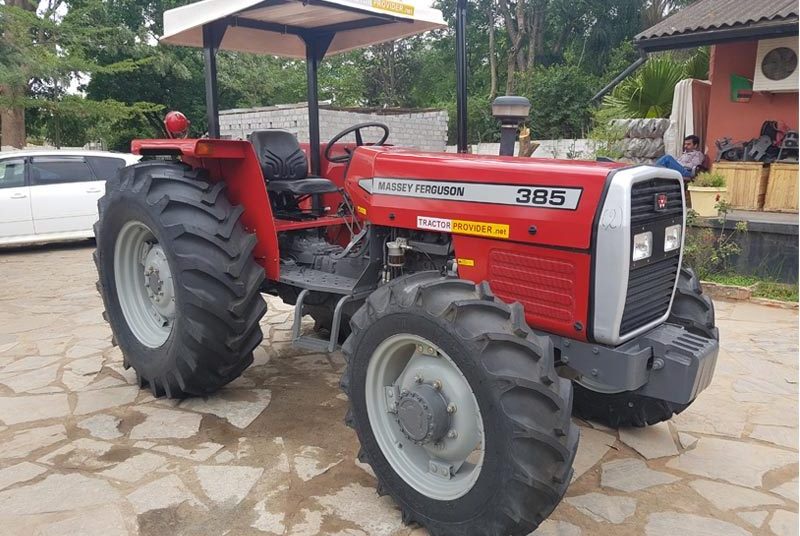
x=235, y=163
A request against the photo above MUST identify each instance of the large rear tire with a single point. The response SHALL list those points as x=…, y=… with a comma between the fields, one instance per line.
x=691, y=309
x=451, y=344
x=178, y=278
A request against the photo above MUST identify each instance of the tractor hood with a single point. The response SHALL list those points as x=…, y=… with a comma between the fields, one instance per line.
x=279, y=27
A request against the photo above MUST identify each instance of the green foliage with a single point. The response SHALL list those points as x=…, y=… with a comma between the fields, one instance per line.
x=107, y=51
x=710, y=251
x=559, y=96
x=708, y=179
x=776, y=291
x=732, y=279
x=48, y=54
x=588, y=32
x=76, y=121
x=697, y=65
x=761, y=288
x=606, y=135
x=649, y=92
x=619, y=59
x=481, y=126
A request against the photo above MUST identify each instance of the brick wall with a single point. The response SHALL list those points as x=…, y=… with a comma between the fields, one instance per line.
x=425, y=129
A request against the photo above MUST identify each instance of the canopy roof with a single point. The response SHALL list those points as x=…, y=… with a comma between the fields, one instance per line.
x=277, y=27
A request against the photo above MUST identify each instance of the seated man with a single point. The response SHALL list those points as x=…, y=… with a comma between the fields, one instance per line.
x=689, y=162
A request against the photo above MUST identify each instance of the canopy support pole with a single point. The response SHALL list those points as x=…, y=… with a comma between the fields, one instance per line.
x=316, y=47
x=461, y=75
x=212, y=37
x=622, y=76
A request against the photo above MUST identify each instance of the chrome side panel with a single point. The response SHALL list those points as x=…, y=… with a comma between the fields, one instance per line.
x=613, y=254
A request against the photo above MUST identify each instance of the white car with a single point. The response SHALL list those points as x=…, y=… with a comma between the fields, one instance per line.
x=51, y=195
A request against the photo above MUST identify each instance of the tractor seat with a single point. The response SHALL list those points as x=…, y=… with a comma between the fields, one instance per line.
x=284, y=164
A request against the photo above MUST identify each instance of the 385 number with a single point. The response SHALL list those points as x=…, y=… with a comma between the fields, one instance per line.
x=541, y=196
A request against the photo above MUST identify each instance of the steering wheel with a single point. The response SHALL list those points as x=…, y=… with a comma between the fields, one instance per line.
x=343, y=158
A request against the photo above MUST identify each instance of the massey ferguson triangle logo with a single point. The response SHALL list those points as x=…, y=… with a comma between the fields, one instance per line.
x=661, y=201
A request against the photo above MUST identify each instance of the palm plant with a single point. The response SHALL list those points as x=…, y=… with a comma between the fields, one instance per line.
x=697, y=64
x=649, y=92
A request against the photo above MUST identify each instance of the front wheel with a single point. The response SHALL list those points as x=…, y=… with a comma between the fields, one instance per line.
x=458, y=407
x=178, y=279
x=691, y=309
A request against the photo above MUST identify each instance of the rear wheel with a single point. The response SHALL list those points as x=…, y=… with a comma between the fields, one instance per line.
x=458, y=407
x=691, y=309
x=178, y=280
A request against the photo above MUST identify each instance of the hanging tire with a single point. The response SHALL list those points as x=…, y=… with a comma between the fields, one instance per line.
x=458, y=407
x=178, y=279
x=691, y=309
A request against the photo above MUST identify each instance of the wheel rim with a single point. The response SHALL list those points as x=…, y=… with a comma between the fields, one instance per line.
x=425, y=417
x=144, y=284
x=598, y=387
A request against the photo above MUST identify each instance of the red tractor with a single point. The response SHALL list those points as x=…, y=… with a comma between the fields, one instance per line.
x=479, y=300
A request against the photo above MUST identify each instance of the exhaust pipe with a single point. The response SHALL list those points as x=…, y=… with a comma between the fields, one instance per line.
x=511, y=111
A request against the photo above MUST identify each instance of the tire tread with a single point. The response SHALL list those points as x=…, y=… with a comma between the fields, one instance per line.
x=534, y=487
x=223, y=304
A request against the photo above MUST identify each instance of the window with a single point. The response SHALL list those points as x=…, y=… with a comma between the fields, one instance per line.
x=12, y=173
x=59, y=169
x=105, y=167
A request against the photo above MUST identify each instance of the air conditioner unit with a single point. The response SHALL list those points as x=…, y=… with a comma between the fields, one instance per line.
x=776, y=65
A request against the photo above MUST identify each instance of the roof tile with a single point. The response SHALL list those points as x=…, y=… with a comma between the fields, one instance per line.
x=705, y=15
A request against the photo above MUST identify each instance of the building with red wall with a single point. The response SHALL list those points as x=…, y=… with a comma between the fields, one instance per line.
x=742, y=120
x=733, y=29
x=748, y=84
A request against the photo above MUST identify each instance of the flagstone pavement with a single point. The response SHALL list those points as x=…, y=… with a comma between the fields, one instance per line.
x=83, y=451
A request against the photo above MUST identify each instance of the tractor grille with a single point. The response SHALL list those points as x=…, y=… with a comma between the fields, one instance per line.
x=650, y=285
x=544, y=286
x=643, y=205
x=649, y=293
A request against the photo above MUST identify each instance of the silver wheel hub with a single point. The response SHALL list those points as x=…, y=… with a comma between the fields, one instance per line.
x=145, y=288
x=424, y=417
x=422, y=414
x=158, y=283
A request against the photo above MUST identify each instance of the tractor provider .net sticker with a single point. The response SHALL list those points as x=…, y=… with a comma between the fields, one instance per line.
x=395, y=7
x=503, y=194
x=474, y=228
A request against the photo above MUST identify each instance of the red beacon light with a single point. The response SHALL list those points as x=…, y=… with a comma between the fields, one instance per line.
x=176, y=124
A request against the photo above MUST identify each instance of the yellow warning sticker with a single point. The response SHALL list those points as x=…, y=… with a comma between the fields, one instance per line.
x=394, y=7
x=466, y=262
x=478, y=228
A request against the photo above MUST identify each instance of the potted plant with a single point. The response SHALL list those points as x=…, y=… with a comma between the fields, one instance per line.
x=707, y=190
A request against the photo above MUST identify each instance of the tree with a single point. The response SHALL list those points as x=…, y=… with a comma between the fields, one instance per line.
x=560, y=100
x=524, y=20
x=655, y=11
x=13, y=83
x=92, y=68
x=492, y=52
x=48, y=52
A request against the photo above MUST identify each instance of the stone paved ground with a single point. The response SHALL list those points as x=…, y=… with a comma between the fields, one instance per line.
x=84, y=452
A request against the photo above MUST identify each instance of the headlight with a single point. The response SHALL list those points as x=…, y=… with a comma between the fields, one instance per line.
x=642, y=246
x=672, y=237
